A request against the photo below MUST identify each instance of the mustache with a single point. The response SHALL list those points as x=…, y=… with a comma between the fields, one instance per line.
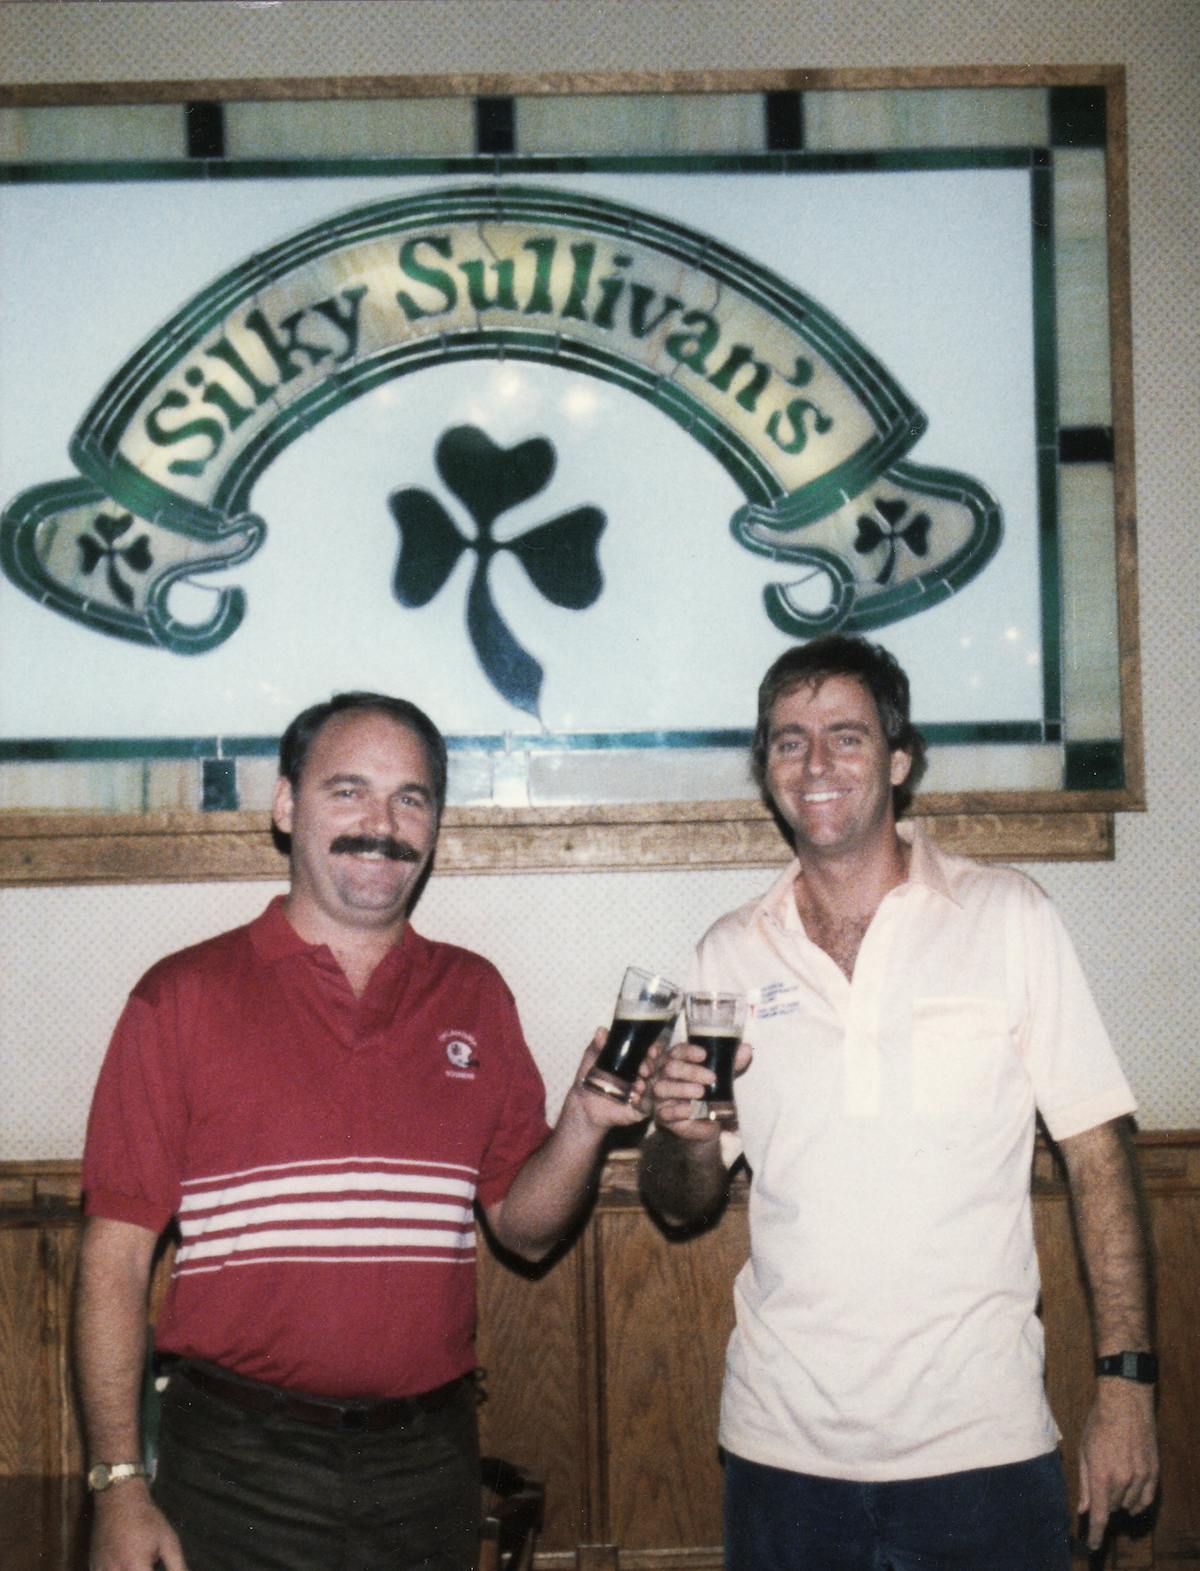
x=394, y=850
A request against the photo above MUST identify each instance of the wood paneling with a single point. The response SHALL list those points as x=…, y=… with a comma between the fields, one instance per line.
x=603, y=1373
x=665, y=1315
x=60, y=1258
x=25, y=1418
x=534, y=1409
x=1177, y=1238
x=43, y=1523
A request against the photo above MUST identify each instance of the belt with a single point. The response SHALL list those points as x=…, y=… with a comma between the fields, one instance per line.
x=327, y=1413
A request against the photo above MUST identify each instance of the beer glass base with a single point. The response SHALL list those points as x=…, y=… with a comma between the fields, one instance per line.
x=608, y=1085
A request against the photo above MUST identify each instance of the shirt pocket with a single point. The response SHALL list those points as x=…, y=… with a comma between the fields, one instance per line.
x=958, y=1046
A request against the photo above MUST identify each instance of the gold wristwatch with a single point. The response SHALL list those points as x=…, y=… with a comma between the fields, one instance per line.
x=106, y=1473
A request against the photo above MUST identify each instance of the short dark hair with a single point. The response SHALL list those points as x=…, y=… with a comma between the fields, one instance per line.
x=878, y=671
x=299, y=736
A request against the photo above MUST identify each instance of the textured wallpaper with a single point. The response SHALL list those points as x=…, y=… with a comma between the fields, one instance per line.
x=69, y=956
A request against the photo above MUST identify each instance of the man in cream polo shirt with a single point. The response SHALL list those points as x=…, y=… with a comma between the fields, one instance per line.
x=911, y=1015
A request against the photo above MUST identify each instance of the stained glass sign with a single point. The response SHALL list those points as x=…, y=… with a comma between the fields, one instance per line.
x=566, y=448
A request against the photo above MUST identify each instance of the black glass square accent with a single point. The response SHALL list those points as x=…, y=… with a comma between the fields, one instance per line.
x=1094, y=766
x=205, y=130
x=1085, y=444
x=1078, y=117
x=495, y=125
x=785, y=122
x=218, y=785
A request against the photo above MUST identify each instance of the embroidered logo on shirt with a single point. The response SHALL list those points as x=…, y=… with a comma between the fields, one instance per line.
x=460, y=1049
x=774, y=999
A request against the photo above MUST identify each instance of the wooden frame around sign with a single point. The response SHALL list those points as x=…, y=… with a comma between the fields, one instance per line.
x=45, y=847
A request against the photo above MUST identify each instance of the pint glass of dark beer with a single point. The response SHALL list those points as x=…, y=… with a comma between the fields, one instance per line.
x=715, y=1022
x=647, y=1006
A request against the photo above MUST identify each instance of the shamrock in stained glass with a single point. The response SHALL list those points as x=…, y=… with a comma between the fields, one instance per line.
x=135, y=555
x=873, y=533
x=560, y=556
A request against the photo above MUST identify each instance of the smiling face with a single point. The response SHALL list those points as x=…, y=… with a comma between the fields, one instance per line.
x=363, y=825
x=829, y=770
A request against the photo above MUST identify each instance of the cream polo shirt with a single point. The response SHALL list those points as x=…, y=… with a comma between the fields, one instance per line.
x=886, y=1323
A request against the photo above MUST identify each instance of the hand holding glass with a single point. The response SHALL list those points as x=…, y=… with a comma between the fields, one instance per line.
x=715, y=1022
x=647, y=1006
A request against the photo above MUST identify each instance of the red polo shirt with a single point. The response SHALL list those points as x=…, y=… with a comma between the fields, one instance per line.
x=320, y=1152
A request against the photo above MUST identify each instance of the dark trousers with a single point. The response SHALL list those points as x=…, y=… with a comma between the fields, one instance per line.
x=1011, y=1518
x=249, y=1491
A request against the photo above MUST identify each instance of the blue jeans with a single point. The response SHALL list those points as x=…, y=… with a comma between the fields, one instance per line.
x=259, y=1492
x=1011, y=1518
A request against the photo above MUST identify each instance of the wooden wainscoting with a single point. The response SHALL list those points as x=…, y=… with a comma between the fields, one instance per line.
x=603, y=1374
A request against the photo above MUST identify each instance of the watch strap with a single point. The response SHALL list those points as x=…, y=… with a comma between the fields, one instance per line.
x=106, y=1473
x=1142, y=1367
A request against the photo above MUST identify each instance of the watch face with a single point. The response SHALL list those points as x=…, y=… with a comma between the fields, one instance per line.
x=1142, y=1367
x=98, y=1477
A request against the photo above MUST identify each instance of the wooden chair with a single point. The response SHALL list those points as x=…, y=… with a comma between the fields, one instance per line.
x=513, y=1511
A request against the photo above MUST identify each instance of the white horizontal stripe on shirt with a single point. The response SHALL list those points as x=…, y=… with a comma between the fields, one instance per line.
x=332, y=1238
x=328, y=1183
x=345, y=1162
x=332, y=1258
x=325, y=1211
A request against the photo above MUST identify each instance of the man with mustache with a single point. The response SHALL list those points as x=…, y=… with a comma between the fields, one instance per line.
x=912, y=1013
x=318, y=1100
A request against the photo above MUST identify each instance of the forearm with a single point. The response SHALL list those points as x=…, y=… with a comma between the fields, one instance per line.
x=683, y=1181
x=550, y=1191
x=1118, y=1452
x=1112, y=1237
x=110, y=1336
x=129, y=1533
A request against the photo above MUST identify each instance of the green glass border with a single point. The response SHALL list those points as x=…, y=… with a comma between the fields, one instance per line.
x=76, y=750
x=219, y=786
x=1045, y=370
x=505, y=165
x=1079, y=116
x=1094, y=766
